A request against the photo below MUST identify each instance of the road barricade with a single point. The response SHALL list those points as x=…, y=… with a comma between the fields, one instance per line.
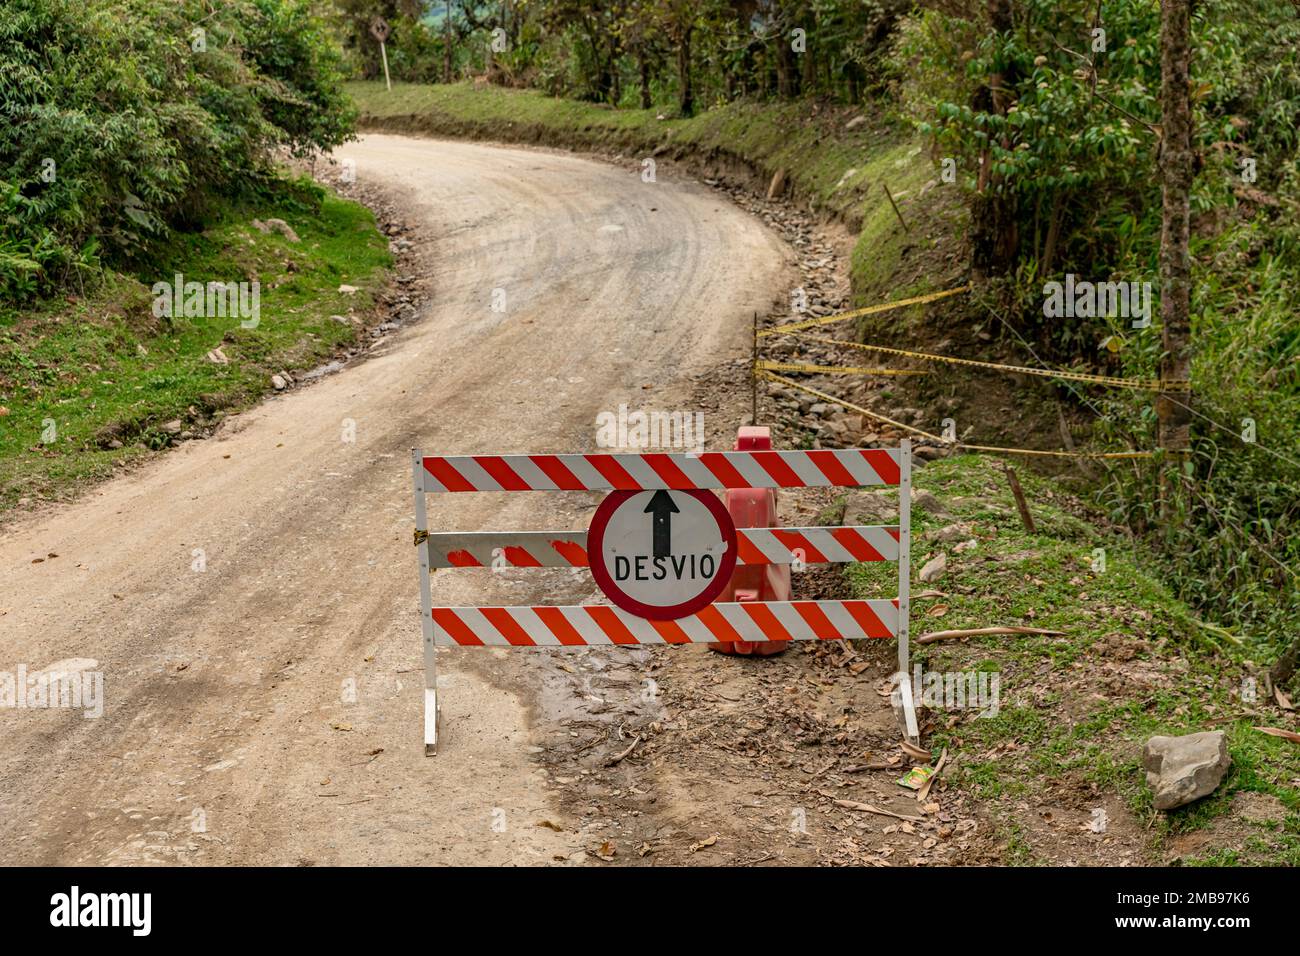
x=663, y=549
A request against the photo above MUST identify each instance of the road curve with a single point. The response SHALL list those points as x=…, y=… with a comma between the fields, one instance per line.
x=246, y=704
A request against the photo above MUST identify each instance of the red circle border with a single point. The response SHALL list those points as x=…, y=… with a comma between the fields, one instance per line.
x=653, y=612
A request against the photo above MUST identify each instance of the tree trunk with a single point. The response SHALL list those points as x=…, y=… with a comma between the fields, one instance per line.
x=994, y=233
x=1172, y=410
x=686, y=94
x=809, y=64
x=1053, y=234
x=787, y=69
x=446, y=44
x=643, y=71
x=1283, y=668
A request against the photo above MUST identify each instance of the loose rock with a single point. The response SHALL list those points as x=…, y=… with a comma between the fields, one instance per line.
x=777, y=186
x=934, y=568
x=927, y=501
x=1182, y=769
x=283, y=228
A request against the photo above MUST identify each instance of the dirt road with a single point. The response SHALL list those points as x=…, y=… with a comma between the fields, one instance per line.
x=252, y=599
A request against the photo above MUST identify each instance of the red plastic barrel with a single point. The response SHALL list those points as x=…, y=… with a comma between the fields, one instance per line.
x=754, y=508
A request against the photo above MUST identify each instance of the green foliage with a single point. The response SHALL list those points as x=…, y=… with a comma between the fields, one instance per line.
x=123, y=119
x=301, y=93
x=662, y=53
x=1066, y=134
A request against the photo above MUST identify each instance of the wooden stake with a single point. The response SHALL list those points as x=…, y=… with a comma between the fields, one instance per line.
x=895, y=205
x=1025, y=517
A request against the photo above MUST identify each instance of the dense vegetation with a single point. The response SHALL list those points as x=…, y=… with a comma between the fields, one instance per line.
x=140, y=139
x=121, y=120
x=1049, y=113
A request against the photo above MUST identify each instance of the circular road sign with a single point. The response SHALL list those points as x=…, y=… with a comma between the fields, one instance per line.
x=662, y=554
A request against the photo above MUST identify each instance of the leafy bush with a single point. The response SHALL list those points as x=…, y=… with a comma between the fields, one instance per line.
x=121, y=119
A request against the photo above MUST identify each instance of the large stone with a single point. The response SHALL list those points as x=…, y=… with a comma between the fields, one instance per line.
x=1183, y=769
x=283, y=228
x=870, y=507
x=777, y=187
x=934, y=568
x=926, y=500
x=957, y=531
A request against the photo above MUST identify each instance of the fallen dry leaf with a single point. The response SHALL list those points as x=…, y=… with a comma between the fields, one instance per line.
x=867, y=808
x=980, y=631
x=938, y=767
x=915, y=752
x=1290, y=735
x=550, y=825
x=704, y=843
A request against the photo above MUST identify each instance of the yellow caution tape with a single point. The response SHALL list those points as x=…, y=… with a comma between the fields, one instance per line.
x=852, y=407
x=955, y=444
x=1144, y=384
x=834, y=369
x=869, y=310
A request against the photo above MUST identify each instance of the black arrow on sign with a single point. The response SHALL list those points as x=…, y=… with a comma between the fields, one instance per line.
x=662, y=507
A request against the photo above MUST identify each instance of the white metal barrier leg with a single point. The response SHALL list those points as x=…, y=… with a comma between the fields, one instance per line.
x=910, y=730
x=426, y=613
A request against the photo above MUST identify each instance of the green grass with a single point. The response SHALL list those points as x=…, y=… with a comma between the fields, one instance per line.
x=1131, y=663
x=80, y=373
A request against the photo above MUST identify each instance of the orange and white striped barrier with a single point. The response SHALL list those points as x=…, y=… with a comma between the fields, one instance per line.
x=592, y=624
x=631, y=548
x=848, y=468
x=553, y=549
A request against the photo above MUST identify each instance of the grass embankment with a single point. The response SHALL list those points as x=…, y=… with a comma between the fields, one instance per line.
x=830, y=168
x=1075, y=710
x=88, y=382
